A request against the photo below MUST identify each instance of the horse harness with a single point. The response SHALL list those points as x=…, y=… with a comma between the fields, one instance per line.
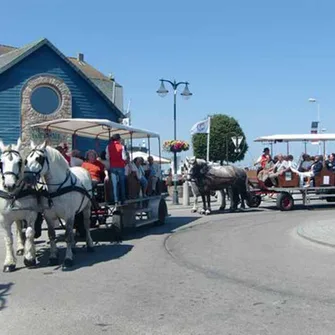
x=42, y=159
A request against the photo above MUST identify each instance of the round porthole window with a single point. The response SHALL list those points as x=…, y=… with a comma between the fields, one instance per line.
x=45, y=100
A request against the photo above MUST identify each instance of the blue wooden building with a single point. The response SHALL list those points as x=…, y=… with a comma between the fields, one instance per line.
x=38, y=83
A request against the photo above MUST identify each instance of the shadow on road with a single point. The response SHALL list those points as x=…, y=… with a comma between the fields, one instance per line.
x=172, y=223
x=4, y=292
x=102, y=253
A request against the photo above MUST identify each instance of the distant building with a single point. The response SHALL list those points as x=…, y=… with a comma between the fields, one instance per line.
x=38, y=83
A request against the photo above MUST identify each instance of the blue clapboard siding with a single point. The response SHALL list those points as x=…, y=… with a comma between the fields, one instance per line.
x=86, y=102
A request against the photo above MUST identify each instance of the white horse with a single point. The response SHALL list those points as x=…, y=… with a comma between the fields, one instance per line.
x=47, y=166
x=17, y=203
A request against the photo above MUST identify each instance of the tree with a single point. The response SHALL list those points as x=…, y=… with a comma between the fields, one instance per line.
x=223, y=128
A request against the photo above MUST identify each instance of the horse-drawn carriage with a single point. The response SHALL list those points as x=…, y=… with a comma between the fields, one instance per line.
x=136, y=211
x=288, y=188
x=41, y=182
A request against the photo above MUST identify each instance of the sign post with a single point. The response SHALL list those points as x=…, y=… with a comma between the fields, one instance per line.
x=237, y=140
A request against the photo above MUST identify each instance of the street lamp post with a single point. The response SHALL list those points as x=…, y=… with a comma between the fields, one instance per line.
x=162, y=91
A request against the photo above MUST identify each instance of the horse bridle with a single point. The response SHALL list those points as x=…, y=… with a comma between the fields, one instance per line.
x=11, y=173
x=41, y=159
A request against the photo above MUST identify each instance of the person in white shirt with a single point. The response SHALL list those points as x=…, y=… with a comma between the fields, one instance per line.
x=278, y=169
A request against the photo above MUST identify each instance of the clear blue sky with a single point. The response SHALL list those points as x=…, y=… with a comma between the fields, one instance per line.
x=258, y=61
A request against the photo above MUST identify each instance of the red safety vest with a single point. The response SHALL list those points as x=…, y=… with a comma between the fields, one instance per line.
x=115, y=149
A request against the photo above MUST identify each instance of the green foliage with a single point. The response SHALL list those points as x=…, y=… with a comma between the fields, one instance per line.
x=223, y=127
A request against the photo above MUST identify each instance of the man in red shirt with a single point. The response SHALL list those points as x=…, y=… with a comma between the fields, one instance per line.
x=116, y=154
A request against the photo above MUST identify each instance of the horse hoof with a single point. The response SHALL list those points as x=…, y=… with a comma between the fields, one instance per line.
x=9, y=268
x=207, y=212
x=193, y=210
x=53, y=261
x=68, y=263
x=90, y=249
x=29, y=262
x=202, y=211
x=20, y=252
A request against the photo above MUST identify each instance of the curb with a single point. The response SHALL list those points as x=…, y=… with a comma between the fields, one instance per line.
x=301, y=233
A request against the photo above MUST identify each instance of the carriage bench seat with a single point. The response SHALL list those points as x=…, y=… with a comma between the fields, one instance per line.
x=325, y=178
x=252, y=176
x=288, y=179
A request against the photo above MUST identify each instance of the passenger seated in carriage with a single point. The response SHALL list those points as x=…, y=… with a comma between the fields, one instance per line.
x=96, y=169
x=306, y=163
x=330, y=162
x=314, y=171
x=76, y=159
x=154, y=174
x=137, y=167
x=63, y=151
x=278, y=169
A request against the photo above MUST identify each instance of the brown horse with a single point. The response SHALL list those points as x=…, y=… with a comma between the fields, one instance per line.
x=208, y=178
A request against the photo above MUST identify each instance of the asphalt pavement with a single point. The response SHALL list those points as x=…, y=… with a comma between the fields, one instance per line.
x=227, y=273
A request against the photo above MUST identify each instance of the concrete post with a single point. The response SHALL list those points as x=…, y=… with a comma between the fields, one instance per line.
x=186, y=194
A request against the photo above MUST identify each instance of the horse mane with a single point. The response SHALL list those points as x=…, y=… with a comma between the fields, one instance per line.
x=56, y=157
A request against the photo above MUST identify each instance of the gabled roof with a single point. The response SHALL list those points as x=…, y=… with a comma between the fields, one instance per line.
x=11, y=56
x=5, y=48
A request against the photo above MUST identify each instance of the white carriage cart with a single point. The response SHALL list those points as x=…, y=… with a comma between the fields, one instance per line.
x=135, y=212
x=289, y=183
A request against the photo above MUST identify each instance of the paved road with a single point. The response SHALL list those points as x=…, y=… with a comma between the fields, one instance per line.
x=244, y=273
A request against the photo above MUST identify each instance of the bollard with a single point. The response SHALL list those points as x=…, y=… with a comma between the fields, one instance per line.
x=186, y=194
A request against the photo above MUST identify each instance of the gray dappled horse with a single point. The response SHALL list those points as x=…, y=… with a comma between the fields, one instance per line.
x=196, y=193
x=208, y=178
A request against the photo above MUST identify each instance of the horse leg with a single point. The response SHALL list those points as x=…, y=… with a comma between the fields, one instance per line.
x=242, y=203
x=223, y=200
x=29, y=247
x=195, y=204
x=233, y=195
x=204, y=208
x=208, y=210
x=53, y=257
x=87, y=225
x=69, y=238
x=10, y=261
x=195, y=197
x=20, y=239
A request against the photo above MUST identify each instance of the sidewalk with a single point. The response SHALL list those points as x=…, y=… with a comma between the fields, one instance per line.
x=322, y=232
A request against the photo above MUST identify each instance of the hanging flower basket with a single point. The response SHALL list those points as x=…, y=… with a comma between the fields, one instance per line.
x=175, y=146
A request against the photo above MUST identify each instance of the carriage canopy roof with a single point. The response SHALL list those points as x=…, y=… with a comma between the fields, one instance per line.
x=93, y=128
x=296, y=138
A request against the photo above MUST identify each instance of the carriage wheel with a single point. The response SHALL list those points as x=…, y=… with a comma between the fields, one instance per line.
x=285, y=201
x=162, y=212
x=254, y=201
